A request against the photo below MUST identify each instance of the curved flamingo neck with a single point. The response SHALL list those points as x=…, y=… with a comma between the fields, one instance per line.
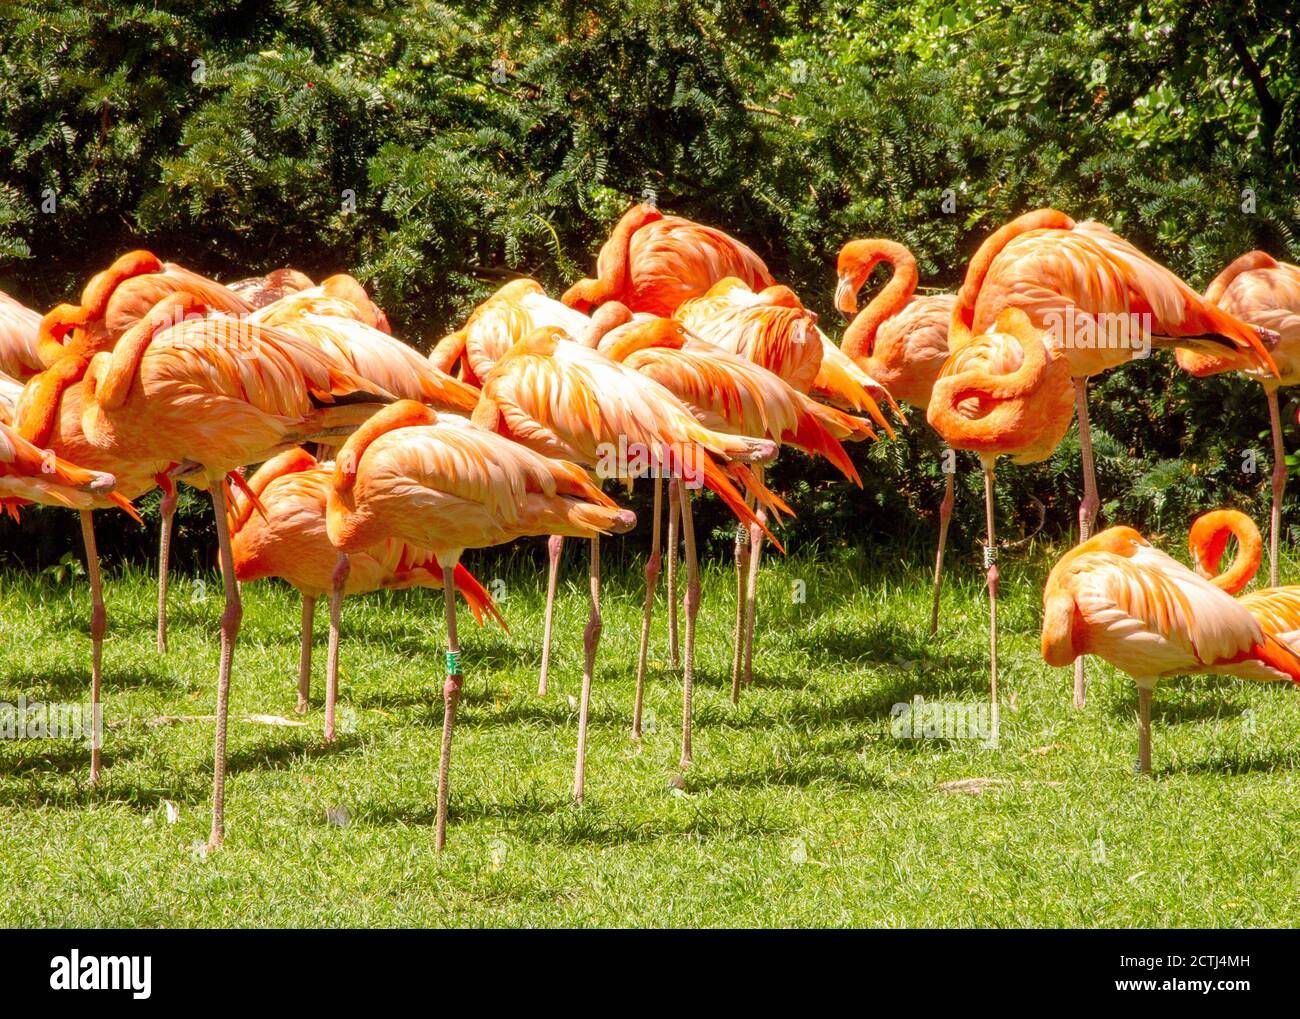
x=402, y=414
x=112, y=386
x=94, y=299
x=612, y=265
x=862, y=257
x=1209, y=537
x=604, y=320
x=1251, y=260
x=664, y=334
x=963, y=312
x=55, y=326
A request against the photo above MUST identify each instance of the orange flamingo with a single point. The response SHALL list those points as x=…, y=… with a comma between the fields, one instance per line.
x=506, y=317
x=727, y=393
x=339, y=318
x=211, y=395
x=496, y=325
x=1003, y=392
x=344, y=330
x=287, y=538
x=1102, y=303
x=901, y=341
x=563, y=399
x=1276, y=609
x=445, y=484
x=111, y=302
x=653, y=263
x=119, y=296
x=1265, y=292
x=1099, y=299
x=1117, y=597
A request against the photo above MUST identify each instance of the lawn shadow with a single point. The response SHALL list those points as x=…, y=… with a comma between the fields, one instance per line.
x=73, y=684
x=1243, y=762
x=285, y=754
x=459, y=809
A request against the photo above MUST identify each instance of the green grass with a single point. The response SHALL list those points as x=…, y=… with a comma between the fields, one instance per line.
x=800, y=808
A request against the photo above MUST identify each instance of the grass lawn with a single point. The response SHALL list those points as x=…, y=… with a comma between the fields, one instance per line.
x=801, y=808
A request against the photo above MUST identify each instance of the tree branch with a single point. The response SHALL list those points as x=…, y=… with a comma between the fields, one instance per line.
x=1270, y=110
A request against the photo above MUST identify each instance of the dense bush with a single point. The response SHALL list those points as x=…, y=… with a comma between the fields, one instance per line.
x=438, y=148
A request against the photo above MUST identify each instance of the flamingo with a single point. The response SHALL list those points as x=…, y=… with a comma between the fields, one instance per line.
x=211, y=395
x=496, y=325
x=901, y=341
x=1117, y=597
x=288, y=539
x=1003, y=392
x=339, y=318
x=119, y=296
x=653, y=263
x=727, y=393
x=564, y=399
x=439, y=482
x=339, y=295
x=345, y=329
x=1265, y=292
x=1276, y=609
x=1102, y=302
x=111, y=302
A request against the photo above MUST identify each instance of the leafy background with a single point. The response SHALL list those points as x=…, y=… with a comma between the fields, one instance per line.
x=479, y=141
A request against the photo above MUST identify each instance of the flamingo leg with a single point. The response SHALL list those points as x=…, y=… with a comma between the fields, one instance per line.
x=751, y=594
x=742, y=566
x=231, y=617
x=1144, y=730
x=674, y=513
x=1087, y=509
x=945, y=515
x=304, y=654
x=450, y=698
x=554, y=545
x=168, y=509
x=98, y=619
x=692, y=610
x=340, y=578
x=1279, y=486
x=590, y=641
x=991, y=564
x=651, y=583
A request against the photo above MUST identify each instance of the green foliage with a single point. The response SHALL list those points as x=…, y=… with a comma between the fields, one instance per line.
x=437, y=149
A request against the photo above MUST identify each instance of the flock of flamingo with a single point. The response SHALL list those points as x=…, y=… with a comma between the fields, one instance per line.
x=683, y=360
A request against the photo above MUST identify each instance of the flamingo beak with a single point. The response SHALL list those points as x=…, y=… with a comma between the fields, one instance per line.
x=846, y=298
